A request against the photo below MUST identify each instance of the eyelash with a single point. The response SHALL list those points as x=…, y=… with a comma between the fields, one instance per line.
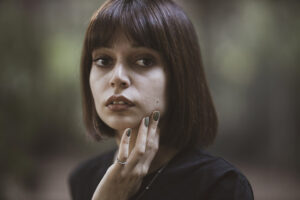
x=150, y=61
x=142, y=61
x=103, y=58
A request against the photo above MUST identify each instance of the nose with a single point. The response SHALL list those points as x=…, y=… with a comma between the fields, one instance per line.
x=120, y=78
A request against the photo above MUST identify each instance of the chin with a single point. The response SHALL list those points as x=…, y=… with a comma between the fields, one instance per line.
x=121, y=124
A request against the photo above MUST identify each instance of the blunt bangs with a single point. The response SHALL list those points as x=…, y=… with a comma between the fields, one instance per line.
x=144, y=23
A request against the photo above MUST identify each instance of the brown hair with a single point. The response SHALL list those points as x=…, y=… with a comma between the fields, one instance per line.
x=190, y=118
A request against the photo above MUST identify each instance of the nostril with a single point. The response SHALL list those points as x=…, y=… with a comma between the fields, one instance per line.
x=121, y=84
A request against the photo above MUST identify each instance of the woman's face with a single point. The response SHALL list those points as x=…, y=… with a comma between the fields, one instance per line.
x=128, y=82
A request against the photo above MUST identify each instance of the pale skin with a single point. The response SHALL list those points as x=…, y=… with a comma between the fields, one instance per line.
x=144, y=85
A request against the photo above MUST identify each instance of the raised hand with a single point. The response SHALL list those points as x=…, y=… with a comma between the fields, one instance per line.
x=123, y=179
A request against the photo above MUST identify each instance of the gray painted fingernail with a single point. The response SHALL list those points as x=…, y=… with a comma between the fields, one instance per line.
x=146, y=121
x=128, y=132
x=156, y=115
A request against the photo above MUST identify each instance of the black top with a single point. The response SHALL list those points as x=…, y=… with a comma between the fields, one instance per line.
x=191, y=174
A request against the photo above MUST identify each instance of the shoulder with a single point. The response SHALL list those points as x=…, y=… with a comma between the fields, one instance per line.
x=200, y=159
x=87, y=174
x=213, y=177
x=227, y=181
x=216, y=165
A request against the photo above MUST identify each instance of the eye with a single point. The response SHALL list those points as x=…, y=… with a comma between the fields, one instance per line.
x=103, y=61
x=145, y=62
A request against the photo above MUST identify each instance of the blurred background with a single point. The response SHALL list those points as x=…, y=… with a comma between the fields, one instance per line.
x=251, y=54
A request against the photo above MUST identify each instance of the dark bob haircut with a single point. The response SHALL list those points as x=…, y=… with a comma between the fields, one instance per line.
x=190, y=118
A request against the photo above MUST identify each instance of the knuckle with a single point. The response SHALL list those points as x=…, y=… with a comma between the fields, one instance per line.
x=150, y=147
x=153, y=146
x=136, y=173
x=122, y=157
x=139, y=152
x=149, y=143
x=140, y=172
x=153, y=127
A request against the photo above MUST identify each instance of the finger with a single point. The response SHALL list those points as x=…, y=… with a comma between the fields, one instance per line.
x=124, y=146
x=140, y=144
x=152, y=139
x=153, y=124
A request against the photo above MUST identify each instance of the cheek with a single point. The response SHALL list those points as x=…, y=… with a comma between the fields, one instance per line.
x=97, y=85
x=159, y=100
x=154, y=96
x=93, y=80
x=94, y=88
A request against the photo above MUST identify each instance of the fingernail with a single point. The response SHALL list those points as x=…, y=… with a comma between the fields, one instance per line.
x=146, y=121
x=128, y=132
x=156, y=115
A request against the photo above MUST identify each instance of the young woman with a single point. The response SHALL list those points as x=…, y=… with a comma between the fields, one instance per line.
x=143, y=83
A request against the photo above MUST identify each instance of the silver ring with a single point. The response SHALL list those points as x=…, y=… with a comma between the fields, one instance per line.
x=120, y=162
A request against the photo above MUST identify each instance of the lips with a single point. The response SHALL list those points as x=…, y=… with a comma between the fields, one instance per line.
x=118, y=103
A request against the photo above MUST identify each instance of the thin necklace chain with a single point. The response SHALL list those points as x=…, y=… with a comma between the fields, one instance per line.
x=151, y=181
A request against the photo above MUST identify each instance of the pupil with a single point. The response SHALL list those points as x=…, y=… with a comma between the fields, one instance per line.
x=104, y=61
x=147, y=61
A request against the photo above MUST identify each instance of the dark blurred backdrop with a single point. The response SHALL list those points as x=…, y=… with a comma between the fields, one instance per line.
x=251, y=54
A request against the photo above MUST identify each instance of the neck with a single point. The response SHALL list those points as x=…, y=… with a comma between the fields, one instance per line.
x=163, y=155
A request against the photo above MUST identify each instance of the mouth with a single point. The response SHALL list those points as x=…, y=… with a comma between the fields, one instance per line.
x=118, y=103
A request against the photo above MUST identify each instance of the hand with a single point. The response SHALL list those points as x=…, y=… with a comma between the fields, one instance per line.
x=122, y=181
